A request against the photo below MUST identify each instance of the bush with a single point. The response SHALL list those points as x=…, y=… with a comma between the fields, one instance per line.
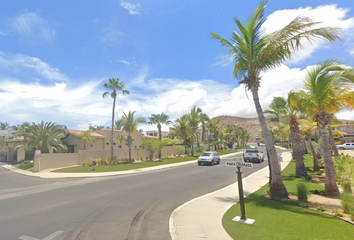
x=320, y=208
x=179, y=150
x=302, y=192
x=347, y=202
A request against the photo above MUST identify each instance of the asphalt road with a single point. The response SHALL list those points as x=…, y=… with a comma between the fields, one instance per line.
x=131, y=207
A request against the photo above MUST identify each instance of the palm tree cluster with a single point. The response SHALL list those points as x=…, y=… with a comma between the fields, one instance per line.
x=254, y=51
x=213, y=132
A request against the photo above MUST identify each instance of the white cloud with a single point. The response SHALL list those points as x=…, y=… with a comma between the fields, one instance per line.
x=328, y=15
x=30, y=24
x=19, y=62
x=223, y=61
x=133, y=9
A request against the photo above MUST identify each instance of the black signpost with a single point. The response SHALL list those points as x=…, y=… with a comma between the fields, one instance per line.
x=243, y=218
x=240, y=193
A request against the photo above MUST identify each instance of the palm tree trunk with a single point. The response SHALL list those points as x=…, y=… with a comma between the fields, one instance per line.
x=159, y=129
x=331, y=188
x=331, y=140
x=192, y=143
x=298, y=153
x=185, y=146
x=203, y=132
x=277, y=187
x=114, y=106
x=130, y=150
x=316, y=166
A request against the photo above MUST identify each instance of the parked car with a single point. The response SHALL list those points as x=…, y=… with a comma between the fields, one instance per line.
x=253, y=155
x=210, y=158
x=346, y=146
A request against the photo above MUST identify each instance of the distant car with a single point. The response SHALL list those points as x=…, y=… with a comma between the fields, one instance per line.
x=253, y=155
x=210, y=158
x=346, y=146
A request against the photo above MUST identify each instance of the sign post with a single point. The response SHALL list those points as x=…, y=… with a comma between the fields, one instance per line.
x=38, y=156
x=243, y=218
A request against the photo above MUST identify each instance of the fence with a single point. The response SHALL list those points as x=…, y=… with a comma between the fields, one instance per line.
x=60, y=160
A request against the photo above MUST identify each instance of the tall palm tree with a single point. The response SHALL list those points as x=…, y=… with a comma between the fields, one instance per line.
x=214, y=127
x=118, y=124
x=204, y=118
x=254, y=51
x=159, y=119
x=324, y=94
x=181, y=129
x=193, y=119
x=130, y=125
x=307, y=127
x=44, y=136
x=113, y=87
x=85, y=137
x=281, y=110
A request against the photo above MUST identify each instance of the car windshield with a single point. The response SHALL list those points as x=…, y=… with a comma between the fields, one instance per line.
x=251, y=150
x=205, y=154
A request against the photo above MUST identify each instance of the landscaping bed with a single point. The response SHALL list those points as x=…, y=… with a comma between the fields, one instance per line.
x=276, y=219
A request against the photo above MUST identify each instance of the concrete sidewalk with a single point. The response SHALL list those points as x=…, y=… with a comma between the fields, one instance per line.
x=201, y=217
x=101, y=174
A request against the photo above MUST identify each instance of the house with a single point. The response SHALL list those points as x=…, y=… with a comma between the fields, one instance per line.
x=155, y=133
x=347, y=131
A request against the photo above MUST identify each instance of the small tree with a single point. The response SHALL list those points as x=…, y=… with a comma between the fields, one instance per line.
x=151, y=145
x=85, y=137
x=120, y=139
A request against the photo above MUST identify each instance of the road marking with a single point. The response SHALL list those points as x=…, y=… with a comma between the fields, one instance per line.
x=51, y=236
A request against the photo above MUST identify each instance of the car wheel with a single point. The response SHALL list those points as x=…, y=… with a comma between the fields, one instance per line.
x=219, y=161
x=199, y=163
x=212, y=163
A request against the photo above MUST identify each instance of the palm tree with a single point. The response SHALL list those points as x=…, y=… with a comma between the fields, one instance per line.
x=159, y=119
x=118, y=125
x=113, y=86
x=324, y=94
x=204, y=118
x=214, y=127
x=4, y=125
x=281, y=110
x=193, y=119
x=130, y=125
x=44, y=136
x=120, y=139
x=306, y=128
x=255, y=51
x=181, y=129
x=85, y=137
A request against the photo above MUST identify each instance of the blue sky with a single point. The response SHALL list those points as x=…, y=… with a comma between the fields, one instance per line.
x=56, y=55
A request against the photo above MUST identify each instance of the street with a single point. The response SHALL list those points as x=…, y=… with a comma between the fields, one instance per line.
x=130, y=207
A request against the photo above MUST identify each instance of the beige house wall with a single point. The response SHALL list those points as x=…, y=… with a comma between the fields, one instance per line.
x=56, y=160
x=59, y=160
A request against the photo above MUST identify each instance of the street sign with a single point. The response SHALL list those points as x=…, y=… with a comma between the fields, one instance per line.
x=244, y=164
x=237, y=159
x=38, y=154
x=230, y=164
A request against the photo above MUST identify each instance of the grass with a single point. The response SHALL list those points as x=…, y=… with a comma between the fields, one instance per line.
x=28, y=167
x=280, y=220
x=138, y=165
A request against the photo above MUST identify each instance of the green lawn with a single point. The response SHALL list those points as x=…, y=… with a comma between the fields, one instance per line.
x=124, y=167
x=279, y=220
x=28, y=167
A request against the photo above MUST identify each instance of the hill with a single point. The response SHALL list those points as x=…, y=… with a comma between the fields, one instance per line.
x=251, y=124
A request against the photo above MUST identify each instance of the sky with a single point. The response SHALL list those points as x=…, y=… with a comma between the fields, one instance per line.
x=55, y=57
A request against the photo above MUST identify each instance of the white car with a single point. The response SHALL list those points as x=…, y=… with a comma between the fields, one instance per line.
x=346, y=146
x=210, y=158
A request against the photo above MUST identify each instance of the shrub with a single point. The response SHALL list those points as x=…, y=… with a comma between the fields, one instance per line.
x=347, y=202
x=320, y=208
x=179, y=150
x=337, y=213
x=302, y=191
